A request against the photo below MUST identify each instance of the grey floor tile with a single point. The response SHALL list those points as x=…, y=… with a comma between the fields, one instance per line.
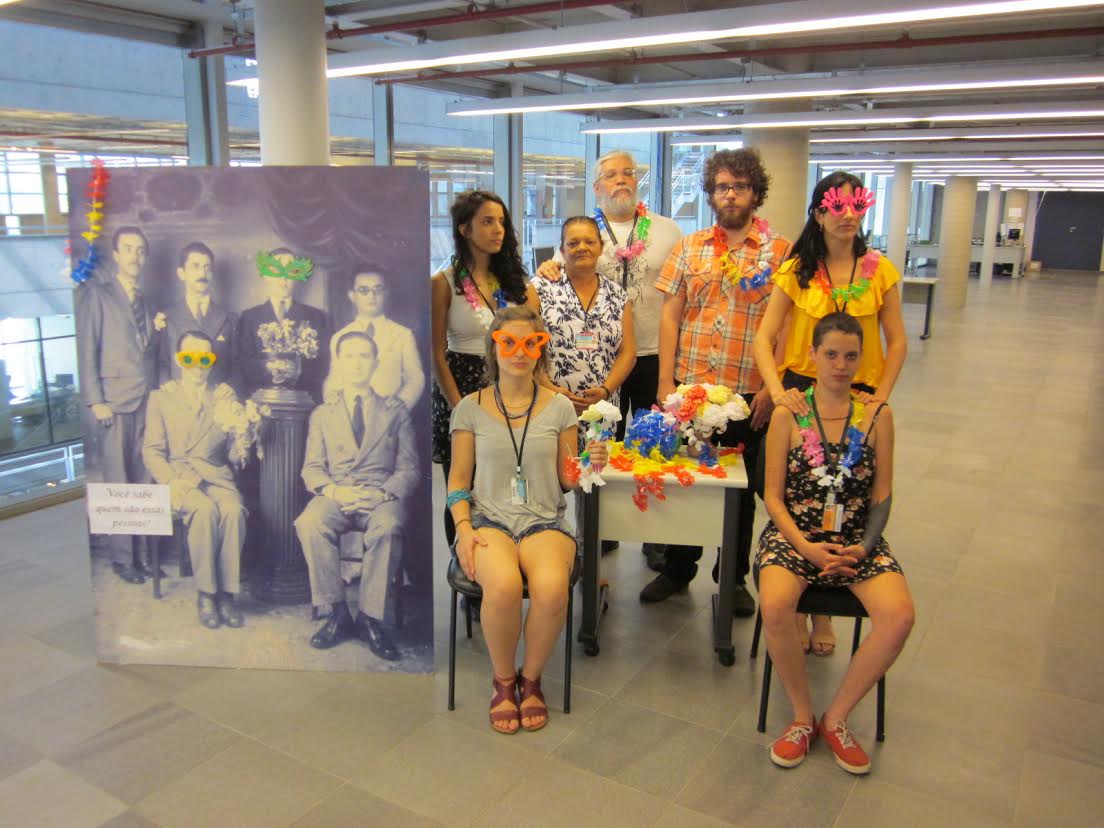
x=1067, y=727
x=874, y=802
x=77, y=636
x=1073, y=672
x=1058, y=792
x=144, y=753
x=30, y=664
x=130, y=819
x=640, y=748
x=950, y=648
x=58, y=717
x=244, y=786
x=15, y=756
x=582, y=799
x=49, y=796
x=350, y=806
x=740, y=784
x=675, y=816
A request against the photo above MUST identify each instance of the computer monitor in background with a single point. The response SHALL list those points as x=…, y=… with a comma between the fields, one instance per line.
x=1014, y=234
x=63, y=380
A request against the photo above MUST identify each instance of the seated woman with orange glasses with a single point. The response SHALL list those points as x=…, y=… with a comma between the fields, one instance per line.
x=514, y=438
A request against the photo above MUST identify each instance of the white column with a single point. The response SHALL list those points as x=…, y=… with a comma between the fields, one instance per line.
x=1030, y=215
x=989, y=242
x=900, y=197
x=291, y=69
x=785, y=154
x=956, y=225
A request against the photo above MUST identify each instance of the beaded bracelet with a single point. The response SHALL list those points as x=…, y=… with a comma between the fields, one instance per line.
x=455, y=496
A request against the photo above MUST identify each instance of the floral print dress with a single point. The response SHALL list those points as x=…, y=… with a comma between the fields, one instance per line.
x=805, y=502
x=570, y=366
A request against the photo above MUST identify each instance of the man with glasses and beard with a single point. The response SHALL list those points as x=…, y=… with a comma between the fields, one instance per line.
x=717, y=282
x=636, y=243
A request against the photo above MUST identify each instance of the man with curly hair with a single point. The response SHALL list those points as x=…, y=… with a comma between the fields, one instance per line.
x=716, y=285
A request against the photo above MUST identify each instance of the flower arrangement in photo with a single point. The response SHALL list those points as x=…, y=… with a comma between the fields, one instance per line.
x=289, y=337
x=600, y=420
x=702, y=410
x=242, y=423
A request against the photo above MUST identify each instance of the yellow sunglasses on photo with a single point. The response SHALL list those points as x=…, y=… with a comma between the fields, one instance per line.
x=194, y=359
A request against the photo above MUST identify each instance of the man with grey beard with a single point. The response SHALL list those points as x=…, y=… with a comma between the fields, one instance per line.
x=636, y=244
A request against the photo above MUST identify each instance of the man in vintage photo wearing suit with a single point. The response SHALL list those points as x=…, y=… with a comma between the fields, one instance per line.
x=187, y=449
x=197, y=311
x=361, y=465
x=281, y=305
x=399, y=372
x=117, y=359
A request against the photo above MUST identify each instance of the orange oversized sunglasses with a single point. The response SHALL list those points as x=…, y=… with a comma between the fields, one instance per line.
x=508, y=344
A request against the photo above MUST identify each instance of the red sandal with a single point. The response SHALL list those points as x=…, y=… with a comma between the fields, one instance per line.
x=531, y=689
x=504, y=691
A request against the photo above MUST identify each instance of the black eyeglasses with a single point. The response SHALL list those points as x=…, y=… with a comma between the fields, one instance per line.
x=370, y=290
x=740, y=188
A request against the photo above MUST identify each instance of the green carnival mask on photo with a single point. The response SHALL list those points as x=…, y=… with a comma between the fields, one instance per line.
x=298, y=269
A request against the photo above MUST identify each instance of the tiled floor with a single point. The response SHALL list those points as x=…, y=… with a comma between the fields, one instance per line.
x=995, y=713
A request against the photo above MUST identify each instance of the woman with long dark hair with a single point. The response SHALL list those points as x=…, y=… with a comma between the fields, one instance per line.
x=831, y=270
x=484, y=274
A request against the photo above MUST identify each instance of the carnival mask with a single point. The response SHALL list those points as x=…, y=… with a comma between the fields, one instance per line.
x=531, y=345
x=835, y=202
x=195, y=359
x=298, y=269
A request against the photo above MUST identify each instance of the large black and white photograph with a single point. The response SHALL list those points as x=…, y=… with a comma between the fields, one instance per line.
x=256, y=341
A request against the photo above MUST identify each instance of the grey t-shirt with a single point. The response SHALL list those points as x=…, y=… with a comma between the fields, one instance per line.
x=495, y=465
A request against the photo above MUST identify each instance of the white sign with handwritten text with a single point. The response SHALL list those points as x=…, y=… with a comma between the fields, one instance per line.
x=129, y=509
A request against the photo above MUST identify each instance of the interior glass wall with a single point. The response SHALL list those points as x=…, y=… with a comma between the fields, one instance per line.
x=554, y=179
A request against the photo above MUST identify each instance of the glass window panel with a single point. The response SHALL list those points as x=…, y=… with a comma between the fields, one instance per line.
x=62, y=325
x=23, y=420
x=17, y=330
x=63, y=385
x=22, y=205
x=554, y=175
x=25, y=182
x=689, y=207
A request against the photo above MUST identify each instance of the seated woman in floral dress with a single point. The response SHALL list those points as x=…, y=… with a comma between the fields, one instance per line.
x=828, y=489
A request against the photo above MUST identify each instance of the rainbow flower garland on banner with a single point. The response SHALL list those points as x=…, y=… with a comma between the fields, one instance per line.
x=472, y=294
x=700, y=411
x=762, y=271
x=638, y=238
x=97, y=192
x=600, y=419
x=846, y=293
x=814, y=448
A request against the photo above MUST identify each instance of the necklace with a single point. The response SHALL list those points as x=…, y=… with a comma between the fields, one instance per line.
x=480, y=305
x=815, y=450
x=636, y=243
x=760, y=272
x=853, y=289
x=500, y=404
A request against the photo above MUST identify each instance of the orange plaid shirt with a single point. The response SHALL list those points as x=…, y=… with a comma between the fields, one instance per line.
x=720, y=319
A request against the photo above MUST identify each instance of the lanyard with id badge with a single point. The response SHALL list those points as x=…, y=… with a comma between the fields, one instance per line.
x=832, y=519
x=519, y=489
x=587, y=338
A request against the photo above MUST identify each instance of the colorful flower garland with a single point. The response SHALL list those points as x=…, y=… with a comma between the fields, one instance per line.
x=854, y=290
x=638, y=238
x=649, y=470
x=701, y=410
x=97, y=192
x=600, y=419
x=762, y=270
x=471, y=292
x=814, y=448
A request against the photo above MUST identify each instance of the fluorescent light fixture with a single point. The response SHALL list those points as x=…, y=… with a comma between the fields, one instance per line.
x=936, y=136
x=702, y=27
x=1016, y=116
x=705, y=142
x=879, y=82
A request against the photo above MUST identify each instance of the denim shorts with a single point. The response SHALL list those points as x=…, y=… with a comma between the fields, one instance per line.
x=482, y=522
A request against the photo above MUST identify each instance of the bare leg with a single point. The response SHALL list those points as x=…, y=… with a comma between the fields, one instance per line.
x=889, y=605
x=546, y=558
x=823, y=639
x=779, y=592
x=802, y=624
x=498, y=573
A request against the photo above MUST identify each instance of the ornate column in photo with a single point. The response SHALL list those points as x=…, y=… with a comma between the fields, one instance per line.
x=956, y=229
x=291, y=69
x=989, y=240
x=283, y=497
x=900, y=197
x=785, y=154
x=294, y=125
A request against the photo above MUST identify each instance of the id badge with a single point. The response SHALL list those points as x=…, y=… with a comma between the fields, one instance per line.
x=519, y=492
x=832, y=521
x=586, y=340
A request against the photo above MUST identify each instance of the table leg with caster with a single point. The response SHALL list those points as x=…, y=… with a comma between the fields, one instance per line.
x=594, y=595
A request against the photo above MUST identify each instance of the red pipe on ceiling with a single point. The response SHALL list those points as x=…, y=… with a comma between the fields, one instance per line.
x=471, y=15
x=903, y=42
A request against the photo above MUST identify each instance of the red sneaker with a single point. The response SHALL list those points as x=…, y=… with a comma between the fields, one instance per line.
x=849, y=755
x=790, y=749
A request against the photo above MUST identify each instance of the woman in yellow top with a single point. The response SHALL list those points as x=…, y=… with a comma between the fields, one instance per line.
x=830, y=270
